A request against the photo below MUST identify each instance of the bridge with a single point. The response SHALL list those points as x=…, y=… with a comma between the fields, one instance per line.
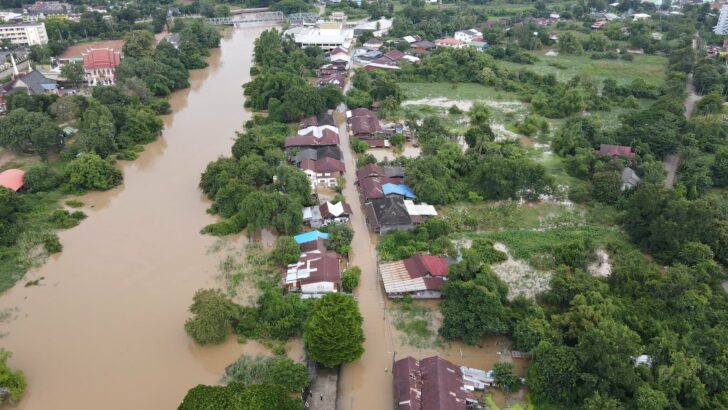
x=265, y=17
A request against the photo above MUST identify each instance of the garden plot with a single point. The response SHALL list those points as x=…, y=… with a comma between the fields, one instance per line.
x=521, y=278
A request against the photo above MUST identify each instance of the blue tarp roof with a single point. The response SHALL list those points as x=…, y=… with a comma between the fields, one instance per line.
x=399, y=189
x=310, y=236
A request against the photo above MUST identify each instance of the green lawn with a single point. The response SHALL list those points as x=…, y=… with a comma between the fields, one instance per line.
x=650, y=68
x=455, y=91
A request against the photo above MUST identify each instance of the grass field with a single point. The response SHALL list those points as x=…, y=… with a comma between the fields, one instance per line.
x=652, y=69
x=455, y=91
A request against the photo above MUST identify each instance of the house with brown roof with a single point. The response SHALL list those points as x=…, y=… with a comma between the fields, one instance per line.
x=327, y=138
x=387, y=214
x=394, y=55
x=432, y=383
x=420, y=276
x=423, y=47
x=363, y=123
x=323, y=172
x=315, y=274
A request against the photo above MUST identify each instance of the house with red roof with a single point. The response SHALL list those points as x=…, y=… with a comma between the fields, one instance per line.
x=432, y=383
x=12, y=179
x=615, y=151
x=326, y=138
x=449, y=42
x=421, y=277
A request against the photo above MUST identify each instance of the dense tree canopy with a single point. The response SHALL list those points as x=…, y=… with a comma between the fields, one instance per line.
x=333, y=332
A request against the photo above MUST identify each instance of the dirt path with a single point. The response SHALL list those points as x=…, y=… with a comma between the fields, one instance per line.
x=671, y=163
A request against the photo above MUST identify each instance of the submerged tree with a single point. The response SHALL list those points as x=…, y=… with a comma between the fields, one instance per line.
x=333, y=333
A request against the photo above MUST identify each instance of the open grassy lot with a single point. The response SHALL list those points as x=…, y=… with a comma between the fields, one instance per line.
x=650, y=68
x=455, y=91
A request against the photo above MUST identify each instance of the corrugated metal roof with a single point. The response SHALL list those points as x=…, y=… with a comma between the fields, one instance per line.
x=397, y=278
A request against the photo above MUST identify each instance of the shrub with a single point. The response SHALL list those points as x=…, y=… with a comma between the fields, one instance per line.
x=91, y=172
x=286, y=252
x=62, y=219
x=12, y=381
x=350, y=279
x=52, y=244
x=214, y=314
x=42, y=178
x=280, y=371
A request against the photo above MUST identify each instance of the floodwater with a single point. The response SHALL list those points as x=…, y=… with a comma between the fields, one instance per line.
x=367, y=382
x=409, y=151
x=104, y=330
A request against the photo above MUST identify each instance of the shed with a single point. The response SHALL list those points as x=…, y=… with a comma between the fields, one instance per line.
x=310, y=236
x=398, y=189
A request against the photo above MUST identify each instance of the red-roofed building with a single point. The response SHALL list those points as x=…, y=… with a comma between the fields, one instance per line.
x=100, y=65
x=616, y=151
x=421, y=277
x=12, y=179
x=363, y=123
x=432, y=383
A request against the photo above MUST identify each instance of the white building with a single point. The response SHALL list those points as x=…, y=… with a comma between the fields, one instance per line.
x=722, y=26
x=328, y=35
x=28, y=34
x=9, y=16
x=466, y=36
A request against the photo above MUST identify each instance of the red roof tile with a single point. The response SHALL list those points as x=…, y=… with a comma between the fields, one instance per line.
x=12, y=179
x=101, y=58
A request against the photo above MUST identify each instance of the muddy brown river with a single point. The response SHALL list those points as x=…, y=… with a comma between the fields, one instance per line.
x=104, y=330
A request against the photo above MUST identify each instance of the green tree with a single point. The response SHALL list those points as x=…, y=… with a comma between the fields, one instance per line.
x=474, y=309
x=504, y=378
x=553, y=375
x=214, y=314
x=97, y=132
x=570, y=44
x=607, y=186
x=711, y=103
x=350, y=279
x=42, y=178
x=333, y=333
x=11, y=381
x=73, y=72
x=720, y=168
x=65, y=109
x=23, y=131
x=89, y=172
x=138, y=44
x=340, y=237
x=286, y=251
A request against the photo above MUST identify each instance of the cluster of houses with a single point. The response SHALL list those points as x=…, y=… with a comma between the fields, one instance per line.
x=389, y=202
x=317, y=271
x=436, y=383
x=315, y=150
x=336, y=69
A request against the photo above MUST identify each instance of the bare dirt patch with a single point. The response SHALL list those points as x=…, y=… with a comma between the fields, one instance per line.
x=521, y=278
x=601, y=267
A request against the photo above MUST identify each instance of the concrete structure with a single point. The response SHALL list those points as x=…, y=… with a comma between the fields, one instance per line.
x=10, y=17
x=29, y=34
x=722, y=27
x=466, y=36
x=449, y=43
x=327, y=35
x=323, y=172
x=379, y=28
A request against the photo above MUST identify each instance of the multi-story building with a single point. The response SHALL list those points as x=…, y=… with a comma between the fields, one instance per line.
x=722, y=26
x=29, y=34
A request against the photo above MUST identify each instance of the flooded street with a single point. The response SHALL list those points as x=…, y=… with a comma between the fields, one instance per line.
x=367, y=382
x=104, y=330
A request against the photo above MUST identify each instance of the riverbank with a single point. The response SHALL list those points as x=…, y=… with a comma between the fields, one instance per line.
x=108, y=318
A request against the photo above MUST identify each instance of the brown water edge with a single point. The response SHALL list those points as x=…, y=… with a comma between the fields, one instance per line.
x=105, y=328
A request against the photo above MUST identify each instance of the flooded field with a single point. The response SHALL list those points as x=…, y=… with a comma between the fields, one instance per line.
x=104, y=330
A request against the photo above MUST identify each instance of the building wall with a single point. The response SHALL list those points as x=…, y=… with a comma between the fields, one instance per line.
x=100, y=76
x=25, y=34
x=320, y=287
x=387, y=228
